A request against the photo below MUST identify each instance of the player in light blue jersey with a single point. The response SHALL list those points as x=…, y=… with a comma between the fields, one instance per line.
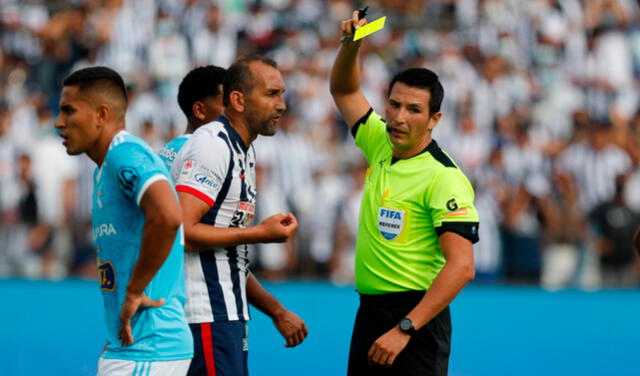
x=137, y=226
x=200, y=98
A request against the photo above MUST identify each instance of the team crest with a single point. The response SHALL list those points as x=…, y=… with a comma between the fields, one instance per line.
x=390, y=222
x=107, y=276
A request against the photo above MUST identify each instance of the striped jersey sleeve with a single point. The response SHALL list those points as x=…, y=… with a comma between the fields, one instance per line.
x=203, y=165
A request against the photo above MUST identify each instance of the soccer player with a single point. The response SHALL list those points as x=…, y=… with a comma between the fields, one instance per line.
x=215, y=179
x=417, y=222
x=200, y=98
x=136, y=223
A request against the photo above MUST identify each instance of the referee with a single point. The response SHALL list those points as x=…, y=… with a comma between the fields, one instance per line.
x=417, y=222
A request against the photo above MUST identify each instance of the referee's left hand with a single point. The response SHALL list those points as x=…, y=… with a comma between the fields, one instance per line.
x=386, y=348
x=291, y=327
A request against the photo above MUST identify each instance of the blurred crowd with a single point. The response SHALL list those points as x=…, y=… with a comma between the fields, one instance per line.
x=541, y=111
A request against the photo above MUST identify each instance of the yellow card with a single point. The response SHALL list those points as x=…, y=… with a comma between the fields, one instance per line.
x=369, y=28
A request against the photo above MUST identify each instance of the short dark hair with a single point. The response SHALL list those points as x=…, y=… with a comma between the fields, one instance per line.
x=425, y=79
x=239, y=77
x=198, y=84
x=102, y=78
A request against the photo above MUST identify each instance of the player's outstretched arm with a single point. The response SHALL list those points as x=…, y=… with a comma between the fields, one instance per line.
x=345, y=75
x=290, y=325
x=202, y=237
x=162, y=221
x=456, y=273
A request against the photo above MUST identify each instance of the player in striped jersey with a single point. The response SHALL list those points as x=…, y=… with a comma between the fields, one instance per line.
x=215, y=179
x=200, y=98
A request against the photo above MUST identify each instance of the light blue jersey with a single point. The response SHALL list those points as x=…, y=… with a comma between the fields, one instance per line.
x=170, y=150
x=160, y=334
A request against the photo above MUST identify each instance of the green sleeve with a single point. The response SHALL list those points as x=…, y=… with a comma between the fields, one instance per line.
x=450, y=202
x=371, y=136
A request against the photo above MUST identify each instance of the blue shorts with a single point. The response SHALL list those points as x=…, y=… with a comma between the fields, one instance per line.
x=220, y=349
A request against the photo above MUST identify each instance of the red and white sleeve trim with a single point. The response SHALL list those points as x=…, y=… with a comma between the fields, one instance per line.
x=195, y=192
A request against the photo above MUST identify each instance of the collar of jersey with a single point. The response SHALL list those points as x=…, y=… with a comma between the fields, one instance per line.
x=117, y=139
x=232, y=132
x=432, y=147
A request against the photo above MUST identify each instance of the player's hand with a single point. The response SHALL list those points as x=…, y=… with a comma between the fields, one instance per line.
x=292, y=328
x=386, y=348
x=348, y=27
x=279, y=227
x=133, y=303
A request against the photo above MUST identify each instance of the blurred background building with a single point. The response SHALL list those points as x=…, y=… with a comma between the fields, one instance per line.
x=541, y=111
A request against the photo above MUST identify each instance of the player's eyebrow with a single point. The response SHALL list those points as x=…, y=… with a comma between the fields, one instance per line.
x=66, y=107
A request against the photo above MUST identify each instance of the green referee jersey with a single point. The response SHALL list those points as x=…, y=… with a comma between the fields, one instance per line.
x=406, y=205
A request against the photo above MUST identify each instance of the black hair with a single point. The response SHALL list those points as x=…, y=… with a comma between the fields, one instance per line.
x=424, y=79
x=239, y=76
x=102, y=78
x=198, y=84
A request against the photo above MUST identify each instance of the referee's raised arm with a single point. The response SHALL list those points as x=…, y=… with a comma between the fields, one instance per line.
x=345, y=74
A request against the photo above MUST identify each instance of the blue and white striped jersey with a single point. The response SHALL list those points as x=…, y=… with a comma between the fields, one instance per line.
x=215, y=166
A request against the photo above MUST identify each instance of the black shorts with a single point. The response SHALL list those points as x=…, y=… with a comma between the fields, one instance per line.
x=426, y=354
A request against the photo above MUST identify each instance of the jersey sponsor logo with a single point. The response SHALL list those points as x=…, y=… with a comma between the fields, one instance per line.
x=243, y=215
x=128, y=178
x=452, y=204
x=207, y=180
x=104, y=229
x=390, y=222
x=170, y=153
x=107, y=276
x=209, y=172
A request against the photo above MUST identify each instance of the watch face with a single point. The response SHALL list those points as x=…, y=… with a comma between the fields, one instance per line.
x=406, y=324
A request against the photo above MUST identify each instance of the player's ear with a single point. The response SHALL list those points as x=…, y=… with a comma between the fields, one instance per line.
x=198, y=110
x=237, y=100
x=103, y=112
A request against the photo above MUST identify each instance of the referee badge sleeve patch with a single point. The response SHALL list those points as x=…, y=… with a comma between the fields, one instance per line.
x=390, y=222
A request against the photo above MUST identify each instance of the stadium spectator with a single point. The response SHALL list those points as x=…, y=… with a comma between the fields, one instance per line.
x=553, y=58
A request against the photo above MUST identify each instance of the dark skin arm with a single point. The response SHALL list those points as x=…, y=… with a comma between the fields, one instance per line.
x=455, y=274
x=162, y=221
x=290, y=326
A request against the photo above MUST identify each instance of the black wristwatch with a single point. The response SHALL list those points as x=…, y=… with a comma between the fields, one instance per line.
x=406, y=326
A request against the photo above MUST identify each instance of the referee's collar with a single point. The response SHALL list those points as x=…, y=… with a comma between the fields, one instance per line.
x=432, y=148
x=232, y=132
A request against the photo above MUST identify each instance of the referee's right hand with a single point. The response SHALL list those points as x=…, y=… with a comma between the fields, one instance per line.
x=348, y=27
